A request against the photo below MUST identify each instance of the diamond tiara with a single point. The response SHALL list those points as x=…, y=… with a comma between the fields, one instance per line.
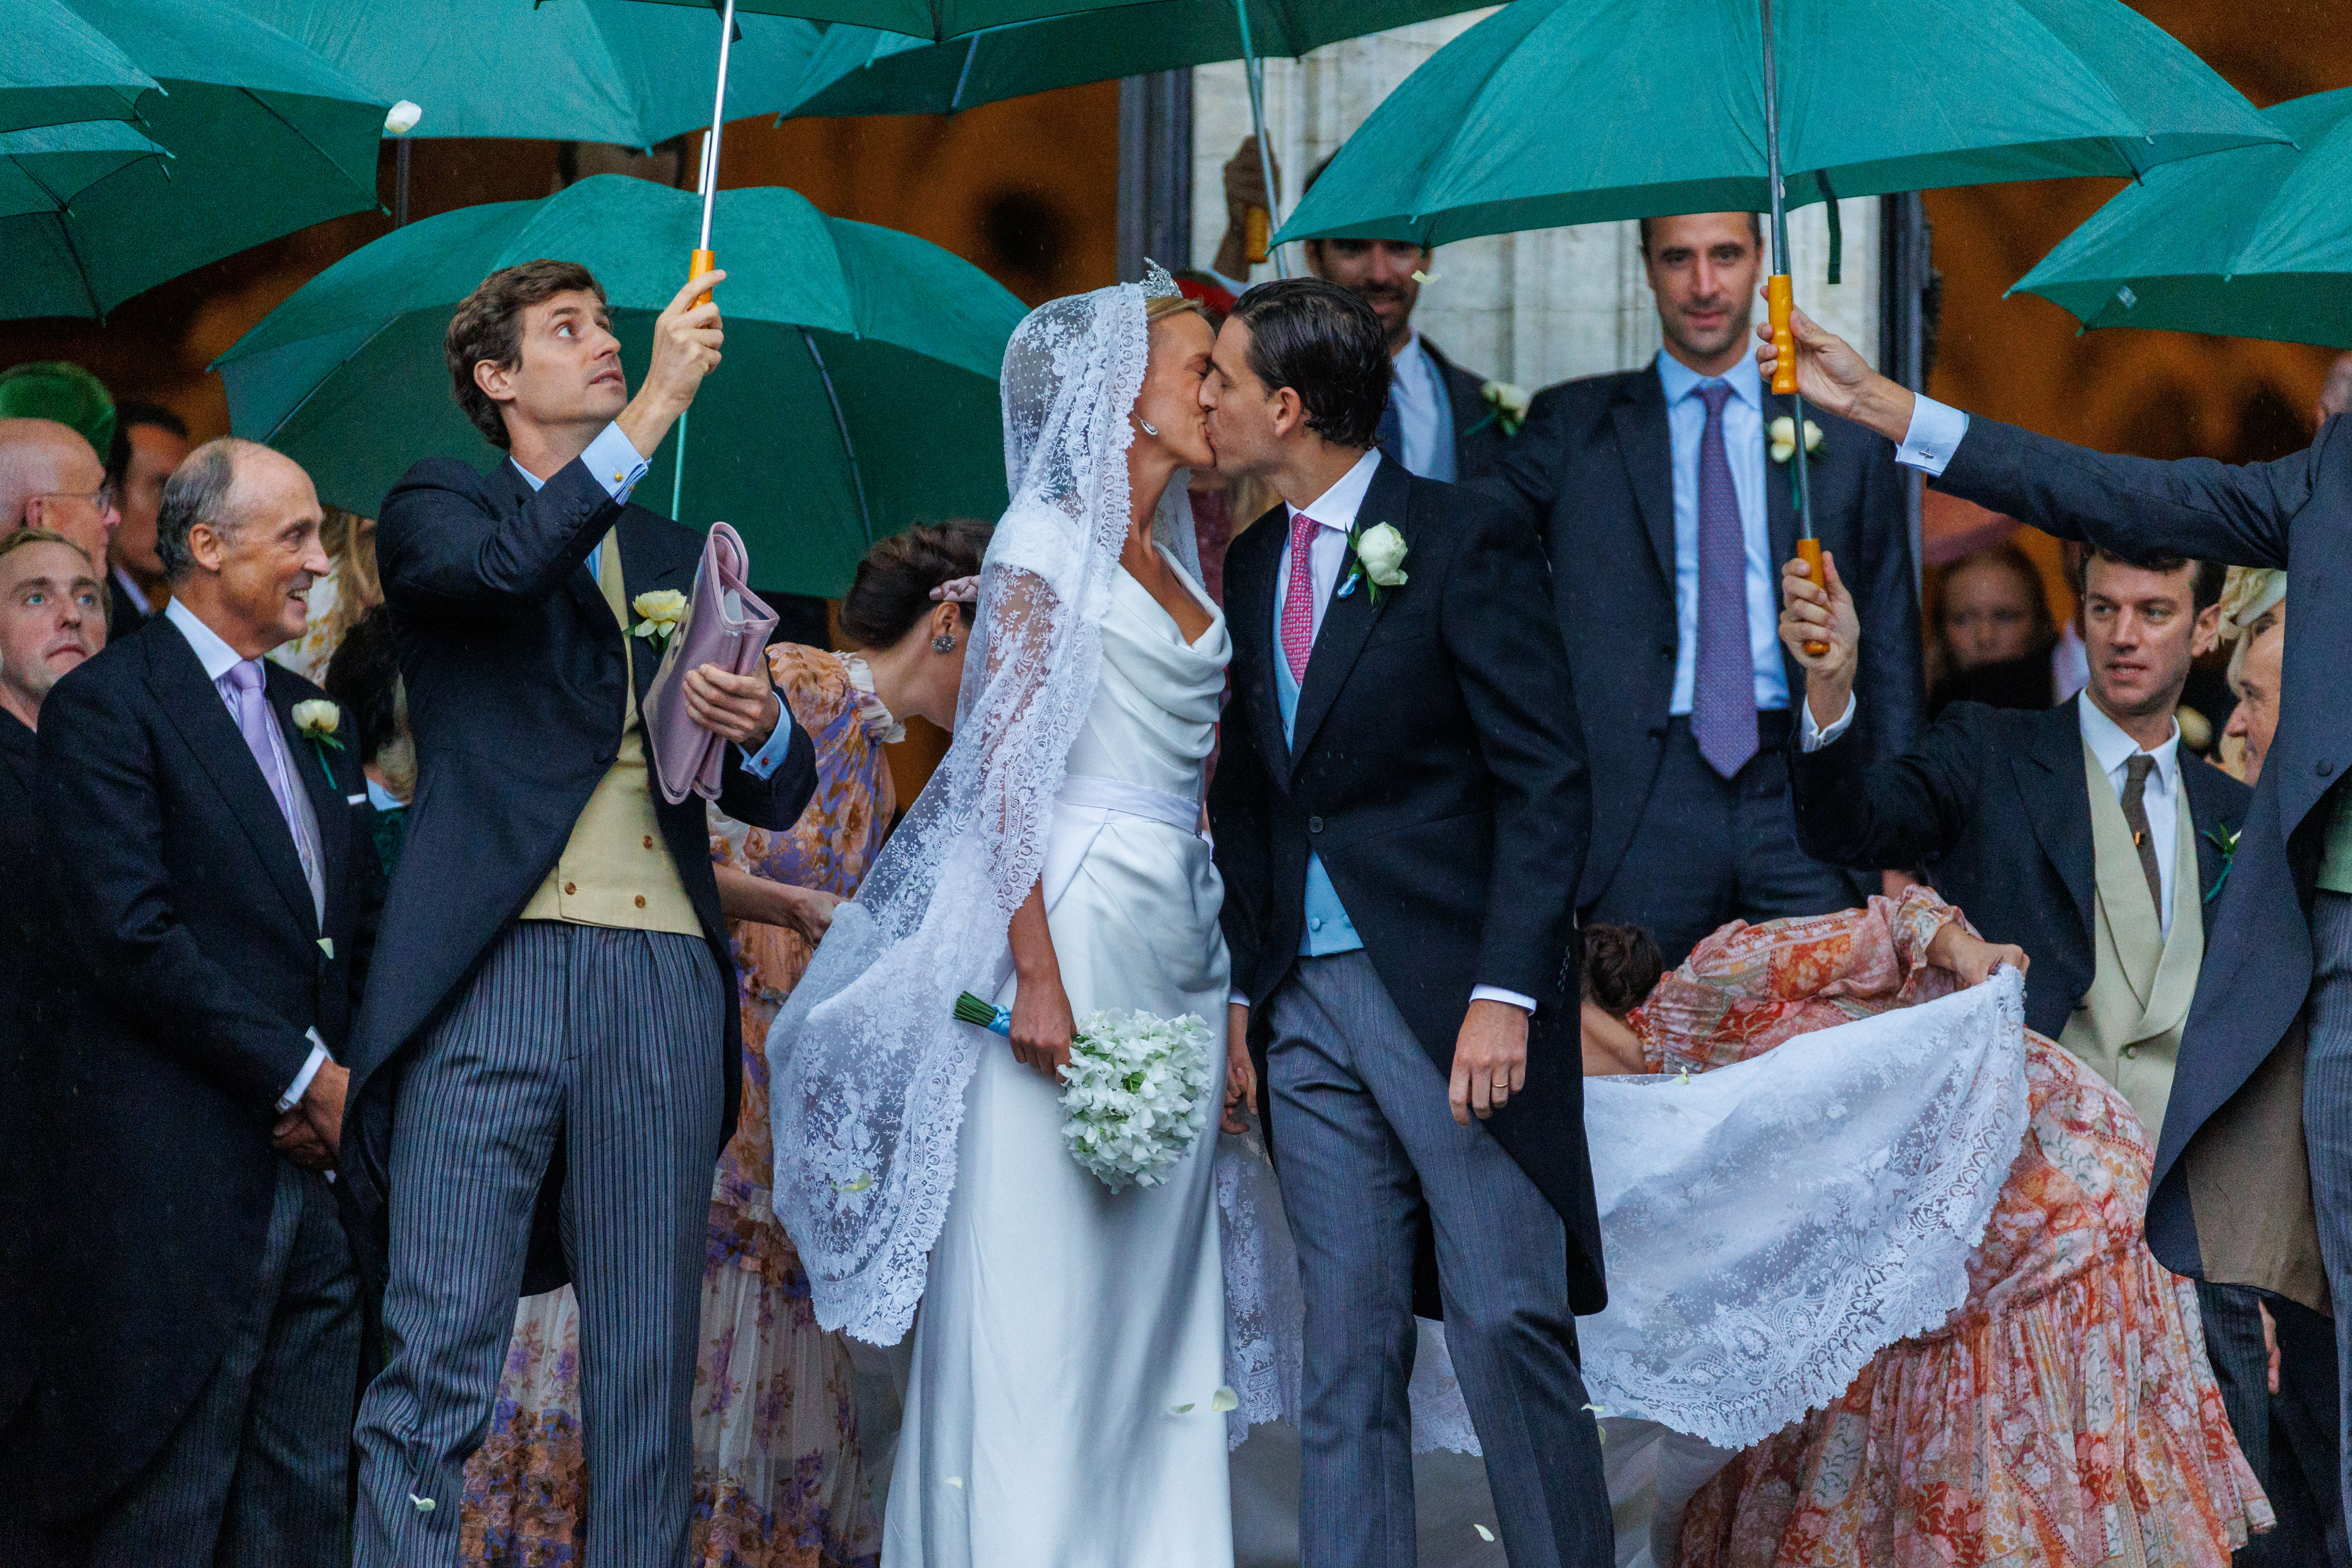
x=1158, y=283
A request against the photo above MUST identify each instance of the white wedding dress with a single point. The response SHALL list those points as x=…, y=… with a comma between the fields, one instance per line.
x=1059, y=1412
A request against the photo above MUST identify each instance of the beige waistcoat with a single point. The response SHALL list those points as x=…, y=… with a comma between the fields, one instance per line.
x=616, y=870
x=2128, y=1026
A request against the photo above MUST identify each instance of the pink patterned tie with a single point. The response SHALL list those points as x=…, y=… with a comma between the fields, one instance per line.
x=1298, y=604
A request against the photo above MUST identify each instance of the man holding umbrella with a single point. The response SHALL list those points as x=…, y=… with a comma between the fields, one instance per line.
x=545, y=1071
x=2271, y=1030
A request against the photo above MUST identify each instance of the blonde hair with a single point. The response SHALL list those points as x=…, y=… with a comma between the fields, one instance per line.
x=349, y=540
x=14, y=539
x=1160, y=307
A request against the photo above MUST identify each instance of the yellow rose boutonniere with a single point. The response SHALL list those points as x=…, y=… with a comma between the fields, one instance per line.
x=661, y=611
x=1784, y=438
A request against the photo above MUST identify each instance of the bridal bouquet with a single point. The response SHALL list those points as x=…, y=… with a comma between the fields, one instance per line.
x=1136, y=1096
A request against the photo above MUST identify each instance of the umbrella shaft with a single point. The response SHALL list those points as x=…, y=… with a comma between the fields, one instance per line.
x=1256, y=76
x=1772, y=144
x=400, y=184
x=717, y=119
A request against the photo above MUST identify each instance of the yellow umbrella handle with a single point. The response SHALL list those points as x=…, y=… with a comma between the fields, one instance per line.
x=1779, y=299
x=1258, y=229
x=1809, y=551
x=704, y=261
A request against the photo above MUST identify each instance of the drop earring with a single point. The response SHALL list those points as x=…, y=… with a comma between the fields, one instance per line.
x=1149, y=427
x=943, y=643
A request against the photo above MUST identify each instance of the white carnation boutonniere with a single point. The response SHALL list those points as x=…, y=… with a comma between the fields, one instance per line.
x=660, y=612
x=1783, y=436
x=1507, y=405
x=316, y=720
x=1380, y=552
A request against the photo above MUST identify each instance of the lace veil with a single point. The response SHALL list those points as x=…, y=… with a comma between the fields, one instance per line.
x=866, y=1067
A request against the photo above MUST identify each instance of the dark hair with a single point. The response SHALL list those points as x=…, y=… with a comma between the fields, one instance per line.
x=127, y=415
x=1621, y=967
x=2205, y=590
x=488, y=326
x=2004, y=555
x=892, y=590
x=1754, y=227
x=197, y=492
x=364, y=677
x=1327, y=345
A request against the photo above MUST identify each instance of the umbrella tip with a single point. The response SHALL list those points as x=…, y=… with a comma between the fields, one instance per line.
x=402, y=118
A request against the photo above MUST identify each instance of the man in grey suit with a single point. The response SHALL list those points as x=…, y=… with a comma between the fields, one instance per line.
x=2234, y=1198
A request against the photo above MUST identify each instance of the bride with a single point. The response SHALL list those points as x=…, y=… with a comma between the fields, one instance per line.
x=1062, y=1402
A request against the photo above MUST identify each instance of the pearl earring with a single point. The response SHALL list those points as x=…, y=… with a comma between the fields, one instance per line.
x=943, y=643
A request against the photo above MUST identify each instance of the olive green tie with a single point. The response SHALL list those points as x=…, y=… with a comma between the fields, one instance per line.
x=2135, y=774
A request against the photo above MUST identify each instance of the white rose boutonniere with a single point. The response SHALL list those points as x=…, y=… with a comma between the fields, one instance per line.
x=1784, y=437
x=1507, y=405
x=1380, y=552
x=316, y=722
x=661, y=610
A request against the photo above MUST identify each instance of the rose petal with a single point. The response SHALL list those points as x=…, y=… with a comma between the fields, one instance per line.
x=1483, y=1534
x=1225, y=1399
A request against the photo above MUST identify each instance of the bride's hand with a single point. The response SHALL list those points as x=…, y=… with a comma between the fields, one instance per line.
x=1241, y=1070
x=1043, y=1025
x=1972, y=958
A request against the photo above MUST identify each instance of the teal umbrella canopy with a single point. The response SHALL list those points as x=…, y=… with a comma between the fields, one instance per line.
x=57, y=68
x=265, y=138
x=857, y=393
x=585, y=71
x=930, y=20
x=865, y=70
x=1568, y=111
x=43, y=169
x=2255, y=243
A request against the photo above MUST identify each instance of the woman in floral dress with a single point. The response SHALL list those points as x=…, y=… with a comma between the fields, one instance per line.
x=779, y=1481
x=2065, y=1415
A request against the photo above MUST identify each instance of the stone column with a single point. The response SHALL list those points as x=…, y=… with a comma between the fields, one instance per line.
x=1534, y=308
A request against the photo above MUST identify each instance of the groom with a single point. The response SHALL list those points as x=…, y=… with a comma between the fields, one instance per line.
x=1401, y=764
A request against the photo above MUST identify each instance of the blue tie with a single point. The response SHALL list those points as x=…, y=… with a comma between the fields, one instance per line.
x=1723, y=702
x=1392, y=436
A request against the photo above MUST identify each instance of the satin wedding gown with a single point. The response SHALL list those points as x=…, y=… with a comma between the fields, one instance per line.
x=1060, y=1410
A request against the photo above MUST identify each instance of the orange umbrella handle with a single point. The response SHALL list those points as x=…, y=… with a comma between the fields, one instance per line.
x=1809, y=551
x=1258, y=230
x=1777, y=301
x=704, y=261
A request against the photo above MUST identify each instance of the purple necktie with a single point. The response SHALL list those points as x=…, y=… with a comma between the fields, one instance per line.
x=259, y=725
x=1723, y=693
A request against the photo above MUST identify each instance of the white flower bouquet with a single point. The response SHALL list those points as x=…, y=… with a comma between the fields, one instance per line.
x=1136, y=1095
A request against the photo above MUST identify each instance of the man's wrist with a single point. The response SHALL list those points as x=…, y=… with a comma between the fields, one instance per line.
x=1884, y=406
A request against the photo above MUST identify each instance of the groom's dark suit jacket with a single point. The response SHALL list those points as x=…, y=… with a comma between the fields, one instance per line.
x=1438, y=772
x=192, y=960
x=1994, y=802
x=517, y=686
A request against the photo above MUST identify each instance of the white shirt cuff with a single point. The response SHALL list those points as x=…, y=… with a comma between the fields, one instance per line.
x=302, y=1084
x=762, y=763
x=1812, y=738
x=1935, y=434
x=615, y=462
x=1497, y=993
x=1235, y=999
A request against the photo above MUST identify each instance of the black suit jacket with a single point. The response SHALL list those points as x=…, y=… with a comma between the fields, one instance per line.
x=23, y=1056
x=1437, y=772
x=1478, y=439
x=196, y=961
x=1994, y=802
x=517, y=687
x=2296, y=513
x=1593, y=470
x=123, y=615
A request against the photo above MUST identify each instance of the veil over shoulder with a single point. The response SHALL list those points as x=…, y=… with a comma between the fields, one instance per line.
x=867, y=1068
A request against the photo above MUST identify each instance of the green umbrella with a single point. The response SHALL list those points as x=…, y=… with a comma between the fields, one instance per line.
x=265, y=139
x=2255, y=243
x=44, y=169
x=859, y=393
x=1723, y=105
x=930, y=19
x=57, y=68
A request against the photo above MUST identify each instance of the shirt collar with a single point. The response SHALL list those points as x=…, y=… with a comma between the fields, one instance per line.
x=217, y=658
x=1337, y=506
x=383, y=799
x=533, y=480
x=2113, y=748
x=1747, y=381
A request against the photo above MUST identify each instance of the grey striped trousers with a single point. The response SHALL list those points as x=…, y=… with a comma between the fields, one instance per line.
x=612, y=1039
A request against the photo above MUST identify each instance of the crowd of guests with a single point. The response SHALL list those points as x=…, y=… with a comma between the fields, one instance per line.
x=216, y=808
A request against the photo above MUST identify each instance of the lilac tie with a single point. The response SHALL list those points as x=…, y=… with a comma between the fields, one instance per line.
x=1723, y=696
x=259, y=725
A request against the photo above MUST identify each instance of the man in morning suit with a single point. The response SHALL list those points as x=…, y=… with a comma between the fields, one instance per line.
x=215, y=891
x=149, y=442
x=52, y=618
x=546, y=1071
x=1442, y=422
x=2252, y=1183
x=1666, y=509
x=1399, y=816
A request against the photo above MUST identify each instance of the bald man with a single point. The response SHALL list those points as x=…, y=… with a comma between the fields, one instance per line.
x=51, y=478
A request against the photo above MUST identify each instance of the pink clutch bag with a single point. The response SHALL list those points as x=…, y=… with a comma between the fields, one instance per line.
x=725, y=624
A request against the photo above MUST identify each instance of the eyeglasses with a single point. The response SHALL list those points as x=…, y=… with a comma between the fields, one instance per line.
x=100, y=498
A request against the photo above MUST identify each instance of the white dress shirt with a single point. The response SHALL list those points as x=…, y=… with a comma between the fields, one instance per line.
x=1336, y=511
x=2160, y=797
x=219, y=658
x=1743, y=447
x=1423, y=412
x=1933, y=436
